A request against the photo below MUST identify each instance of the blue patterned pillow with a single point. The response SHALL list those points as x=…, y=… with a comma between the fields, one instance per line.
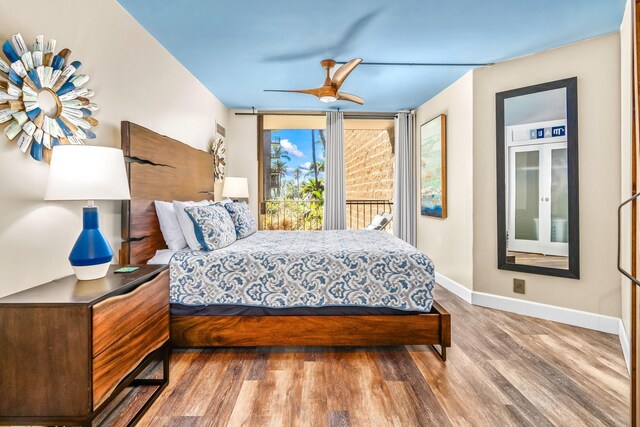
x=213, y=226
x=242, y=218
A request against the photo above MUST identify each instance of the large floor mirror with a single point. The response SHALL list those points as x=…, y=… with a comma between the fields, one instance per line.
x=537, y=177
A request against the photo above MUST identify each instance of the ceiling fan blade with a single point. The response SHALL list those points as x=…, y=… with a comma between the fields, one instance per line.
x=297, y=56
x=315, y=92
x=349, y=97
x=341, y=73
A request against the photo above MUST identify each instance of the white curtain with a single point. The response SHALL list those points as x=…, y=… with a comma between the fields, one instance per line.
x=404, y=194
x=335, y=193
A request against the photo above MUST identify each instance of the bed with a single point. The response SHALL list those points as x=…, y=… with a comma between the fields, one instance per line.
x=342, y=288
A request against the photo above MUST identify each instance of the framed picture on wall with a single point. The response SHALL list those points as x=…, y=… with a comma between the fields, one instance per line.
x=433, y=167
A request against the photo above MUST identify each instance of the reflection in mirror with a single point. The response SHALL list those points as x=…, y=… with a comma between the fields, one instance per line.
x=535, y=134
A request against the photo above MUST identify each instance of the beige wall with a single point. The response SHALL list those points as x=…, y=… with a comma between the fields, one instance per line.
x=449, y=242
x=596, y=63
x=286, y=121
x=241, y=148
x=626, y=115
x=134, y=79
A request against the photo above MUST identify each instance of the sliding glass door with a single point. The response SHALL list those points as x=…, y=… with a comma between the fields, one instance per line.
x=292, y=172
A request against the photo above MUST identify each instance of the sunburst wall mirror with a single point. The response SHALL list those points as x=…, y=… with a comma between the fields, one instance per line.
x=42, y=97
x=217, y=149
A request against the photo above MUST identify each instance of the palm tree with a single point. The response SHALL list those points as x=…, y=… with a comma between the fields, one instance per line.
x=278, y=153
x=278, y=167
x=290, y=190
x=279, y=170
x=313, y=189
x=323, y=141
x=315, y=166
x=297, y=173
x=314, y=163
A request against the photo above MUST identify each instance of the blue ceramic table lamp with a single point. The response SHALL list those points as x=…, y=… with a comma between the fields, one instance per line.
x=83, y=172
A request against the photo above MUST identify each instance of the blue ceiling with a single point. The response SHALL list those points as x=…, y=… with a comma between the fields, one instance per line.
x=238, y=48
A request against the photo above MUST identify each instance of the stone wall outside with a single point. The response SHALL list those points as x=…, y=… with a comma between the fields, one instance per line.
x=369, y=172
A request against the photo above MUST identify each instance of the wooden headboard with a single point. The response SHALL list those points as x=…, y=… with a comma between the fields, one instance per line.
x=159, y=168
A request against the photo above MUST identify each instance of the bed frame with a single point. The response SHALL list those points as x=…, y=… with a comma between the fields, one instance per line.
x=161, y=168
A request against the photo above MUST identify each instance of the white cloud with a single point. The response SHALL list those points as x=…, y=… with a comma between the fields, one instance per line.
x=291, y=148
x=305, y=165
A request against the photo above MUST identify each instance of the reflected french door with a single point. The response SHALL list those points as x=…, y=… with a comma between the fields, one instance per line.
x=538, y=199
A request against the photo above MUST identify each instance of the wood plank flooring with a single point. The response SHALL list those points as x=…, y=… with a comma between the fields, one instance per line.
x=502, y=370
x=540, y=260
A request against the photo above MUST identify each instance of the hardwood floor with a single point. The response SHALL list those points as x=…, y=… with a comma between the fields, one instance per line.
x=540, y=260
x=503, y=369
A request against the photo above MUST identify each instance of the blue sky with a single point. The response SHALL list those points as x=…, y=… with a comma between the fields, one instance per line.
x=297, y=143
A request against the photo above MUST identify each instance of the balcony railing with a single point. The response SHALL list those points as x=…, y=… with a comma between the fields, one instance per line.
x=361, y=212
x=302, y=215
x=298, y=215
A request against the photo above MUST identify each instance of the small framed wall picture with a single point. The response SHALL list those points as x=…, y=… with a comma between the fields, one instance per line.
x=433, y=167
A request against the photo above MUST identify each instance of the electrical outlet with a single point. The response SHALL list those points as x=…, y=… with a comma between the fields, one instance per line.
x=518, y=286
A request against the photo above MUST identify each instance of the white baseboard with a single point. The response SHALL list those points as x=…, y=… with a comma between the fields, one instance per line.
x=583, y=319
x=454, y=287
x=625, y=344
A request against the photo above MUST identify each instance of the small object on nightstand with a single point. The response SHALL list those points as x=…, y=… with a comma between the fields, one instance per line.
x=71, y=347
x=126, y=269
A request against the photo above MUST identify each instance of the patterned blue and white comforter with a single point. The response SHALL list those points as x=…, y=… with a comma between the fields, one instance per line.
x=279, y=269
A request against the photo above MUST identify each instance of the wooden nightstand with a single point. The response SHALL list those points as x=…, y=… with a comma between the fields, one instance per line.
x=68, y=348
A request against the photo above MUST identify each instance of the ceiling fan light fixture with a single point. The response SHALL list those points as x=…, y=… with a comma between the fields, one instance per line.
x=328, y=99
x=328, y=92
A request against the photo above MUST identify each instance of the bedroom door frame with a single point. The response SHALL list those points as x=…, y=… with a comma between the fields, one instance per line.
x=261, y=171
x=635, y=229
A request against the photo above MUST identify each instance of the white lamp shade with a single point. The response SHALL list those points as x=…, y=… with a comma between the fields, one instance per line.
x=84, y=172
x=235, y=187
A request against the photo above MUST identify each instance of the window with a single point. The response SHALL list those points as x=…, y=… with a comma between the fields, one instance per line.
x=293, y=162
x=293, y=171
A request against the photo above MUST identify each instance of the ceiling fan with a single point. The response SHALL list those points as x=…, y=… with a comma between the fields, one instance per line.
x=329, y=91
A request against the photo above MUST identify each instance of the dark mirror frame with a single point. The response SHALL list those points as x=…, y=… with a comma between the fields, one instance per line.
x=571, y=86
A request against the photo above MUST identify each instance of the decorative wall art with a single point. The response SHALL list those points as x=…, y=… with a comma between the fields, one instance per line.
x=219, y=163
x=42, y=98
x=217, y=149
x=433, y=168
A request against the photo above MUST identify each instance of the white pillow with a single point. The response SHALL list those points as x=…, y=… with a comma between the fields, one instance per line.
x=162, y=256
x=169, y=225
x=186, y=224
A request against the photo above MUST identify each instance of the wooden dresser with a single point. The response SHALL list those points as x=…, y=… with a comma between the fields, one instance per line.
x=68, y=347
